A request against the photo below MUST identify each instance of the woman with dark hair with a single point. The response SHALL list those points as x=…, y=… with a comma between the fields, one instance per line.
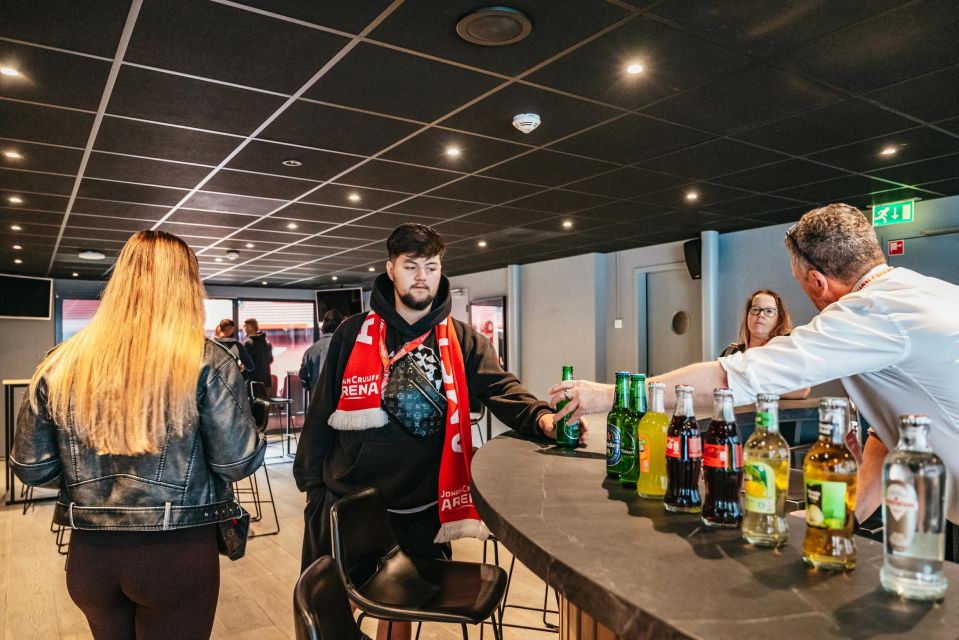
x=143, y=424
x=765, y=318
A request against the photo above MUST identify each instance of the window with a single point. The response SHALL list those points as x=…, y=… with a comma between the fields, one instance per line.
x=288, y=326
x=216, y=309
x=76, y=314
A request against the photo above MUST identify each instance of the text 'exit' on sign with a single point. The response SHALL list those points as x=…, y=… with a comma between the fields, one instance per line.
x=893, y=213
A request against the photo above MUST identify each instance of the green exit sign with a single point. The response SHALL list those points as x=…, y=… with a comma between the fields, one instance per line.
x=893, y=213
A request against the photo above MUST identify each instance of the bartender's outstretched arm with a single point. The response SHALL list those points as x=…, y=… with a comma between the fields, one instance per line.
x=586, y=396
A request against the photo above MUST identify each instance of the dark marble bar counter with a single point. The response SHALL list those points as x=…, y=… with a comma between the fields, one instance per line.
x=645, y=573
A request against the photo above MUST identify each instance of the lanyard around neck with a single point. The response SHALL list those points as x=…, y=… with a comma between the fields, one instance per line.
x=873, y=278
x=402, y=351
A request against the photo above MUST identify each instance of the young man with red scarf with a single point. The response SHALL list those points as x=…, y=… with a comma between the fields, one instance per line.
x=357, y=434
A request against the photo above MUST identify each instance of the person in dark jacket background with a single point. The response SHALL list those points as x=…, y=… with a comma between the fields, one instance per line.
x=356, y=436
x=226, y=335
x=261, y=351
x=316, y=354
x=144, y=425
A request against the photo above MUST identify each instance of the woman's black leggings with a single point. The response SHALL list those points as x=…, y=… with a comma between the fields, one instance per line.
x=145, y=585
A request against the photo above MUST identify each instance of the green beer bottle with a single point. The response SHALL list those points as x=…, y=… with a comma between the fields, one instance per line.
x=617, y=421
x=567, y=434
x=629, y=473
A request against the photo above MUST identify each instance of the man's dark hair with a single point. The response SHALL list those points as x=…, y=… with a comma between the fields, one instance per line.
x=331, y=320
x=253, y=323
x=415, y=240
x=227, y=323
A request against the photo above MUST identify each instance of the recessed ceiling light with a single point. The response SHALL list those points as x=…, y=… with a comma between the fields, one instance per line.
x=292, y=163
x=9, y=71
x=372, y=269
x=15, y=200
x=453, y=152
x=692, y=195
x=76, y=275
x=217, y=259
x=494, y=26
x=635, y=68
x=12, y=155
x=889, y=151
x=567, y=224
x=250, y=245
x=90, y=254
x=334, y=278
x=292, y=225
x=17, y=247
x=17, y=261
x=264, y=283
x=16, y=227
x=354, y=197
x=481, y=243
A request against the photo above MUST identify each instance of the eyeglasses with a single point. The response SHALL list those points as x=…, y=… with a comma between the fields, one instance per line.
x=802, y=254
x=769, y=312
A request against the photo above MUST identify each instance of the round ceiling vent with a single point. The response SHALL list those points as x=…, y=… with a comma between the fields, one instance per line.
x=494, y=26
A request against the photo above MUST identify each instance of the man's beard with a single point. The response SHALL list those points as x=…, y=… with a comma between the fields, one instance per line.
x=417, y=304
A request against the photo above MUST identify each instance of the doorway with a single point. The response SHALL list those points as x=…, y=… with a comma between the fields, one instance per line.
x=670, y=318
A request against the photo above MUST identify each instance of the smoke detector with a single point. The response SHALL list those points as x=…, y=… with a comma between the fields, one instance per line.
x=526, y=122
x=232, y=255
x=90, y=254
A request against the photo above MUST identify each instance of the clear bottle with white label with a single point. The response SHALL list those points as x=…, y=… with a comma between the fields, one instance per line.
x=913, y=513
x=766, y=472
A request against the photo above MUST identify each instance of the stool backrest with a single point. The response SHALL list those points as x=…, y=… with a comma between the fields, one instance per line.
x=259, y=404
x=362, y=535
x=321, y=608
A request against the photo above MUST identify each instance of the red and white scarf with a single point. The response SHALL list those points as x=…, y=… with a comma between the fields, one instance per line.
x=360, y=407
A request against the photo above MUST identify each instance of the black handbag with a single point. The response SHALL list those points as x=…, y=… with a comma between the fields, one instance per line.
x=231, y=534
x=411, y=398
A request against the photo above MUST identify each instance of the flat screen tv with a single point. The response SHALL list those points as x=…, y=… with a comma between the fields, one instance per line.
x=25, y=297
x=347, y=301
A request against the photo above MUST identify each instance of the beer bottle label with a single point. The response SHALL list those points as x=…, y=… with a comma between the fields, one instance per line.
x=760, y=485
x=643, y=452
x=723, y=456
x=825, y=504
x=629, y=444
x=902, y=515
x=614, y=452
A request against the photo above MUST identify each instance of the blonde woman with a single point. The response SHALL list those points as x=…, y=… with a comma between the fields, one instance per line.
x=143, y=424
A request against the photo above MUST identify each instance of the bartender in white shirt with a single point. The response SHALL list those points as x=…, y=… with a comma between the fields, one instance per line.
x=889, y=334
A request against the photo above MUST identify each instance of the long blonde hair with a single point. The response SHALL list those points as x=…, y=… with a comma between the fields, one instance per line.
x=131, y=374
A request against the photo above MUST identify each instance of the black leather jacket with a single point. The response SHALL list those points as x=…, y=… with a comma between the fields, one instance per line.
x=186, y=484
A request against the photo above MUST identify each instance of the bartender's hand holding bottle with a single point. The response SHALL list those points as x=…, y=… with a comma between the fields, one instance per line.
x=547, y=424
x=584, y=396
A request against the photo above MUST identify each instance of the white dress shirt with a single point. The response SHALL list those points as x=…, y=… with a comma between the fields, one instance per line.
x=894, y=343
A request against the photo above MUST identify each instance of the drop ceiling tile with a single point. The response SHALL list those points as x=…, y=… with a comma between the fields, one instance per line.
x=431, y=28
x=10, y=216
x=172, y=99
x=390, y=221
x=144, y=171
x=941, y=168
x=631, y=139
x=338, y=195
x=486, y=190
x=744, y=99
x=548, y=168
x=345, y=15
x=625, y=211
x=930, y=97
x=33, y=201
x=320, y=213
x=443, y=208
x=912, y=145
x=822, y=128
x=106, y=190
x=324, y=127
x=227, y=221
x=178, y=36
x=96, y=32
x=712, y=158
x=268, y=157
x=380, y=174
x=626, y=183
x=430, y=148
x=35, y=123
x=91, y=225
x=505, y=216
x=924, y=36
x=836, y=189
x=18, y=181
x=673, y=59
x=231, y=203
x=130, y=137
x=388, y=81
x=52, y=77
x=560, y=201
x=561, y=115
x=708, y=194
x=253, y=184
x=779, y=175
x=40, y=157
x=303, y=227
x=752, y=206
x=114, y=209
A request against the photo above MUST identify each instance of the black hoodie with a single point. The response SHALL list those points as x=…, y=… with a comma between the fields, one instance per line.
x=405, y=468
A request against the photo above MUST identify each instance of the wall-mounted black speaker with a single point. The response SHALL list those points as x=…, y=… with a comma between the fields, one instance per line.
x=693, y=250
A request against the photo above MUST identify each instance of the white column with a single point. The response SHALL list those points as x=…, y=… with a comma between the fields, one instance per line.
x=514, y=322
x=710, y=292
